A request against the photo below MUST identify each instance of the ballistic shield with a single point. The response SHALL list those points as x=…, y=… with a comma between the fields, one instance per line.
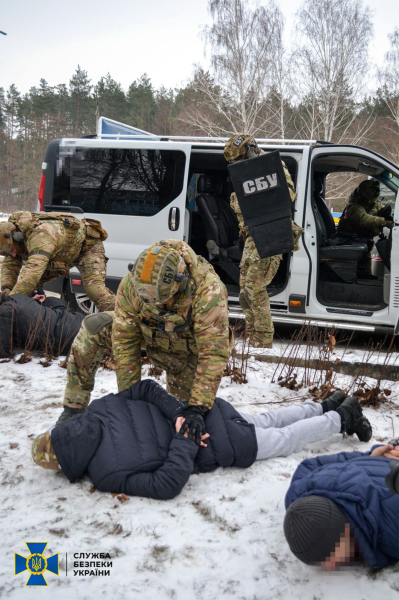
x=265, y=202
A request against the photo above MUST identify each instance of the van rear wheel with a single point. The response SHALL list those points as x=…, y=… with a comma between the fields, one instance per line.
x=79, y=302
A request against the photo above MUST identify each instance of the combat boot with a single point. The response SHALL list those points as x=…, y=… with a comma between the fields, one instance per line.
x=333, y=402
x=353, y=421
x=257, y=340
x=256, y=344
x=68, y=413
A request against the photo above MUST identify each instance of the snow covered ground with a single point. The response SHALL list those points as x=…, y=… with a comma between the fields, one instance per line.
x=221, y=538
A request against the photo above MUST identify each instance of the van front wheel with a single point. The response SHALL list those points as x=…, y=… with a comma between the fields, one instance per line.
x=79, y=302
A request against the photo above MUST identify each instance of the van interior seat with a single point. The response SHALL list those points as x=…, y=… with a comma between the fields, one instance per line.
x=333, y=249
x=218, y=218
x=330, y=246
x=220, y=224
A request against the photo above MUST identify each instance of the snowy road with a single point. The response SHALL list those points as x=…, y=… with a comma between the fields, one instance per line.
x=221, y=538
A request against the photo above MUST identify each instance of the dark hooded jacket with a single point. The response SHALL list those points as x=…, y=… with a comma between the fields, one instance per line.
x=127, y=443
x=25, y=323
x=355, y=481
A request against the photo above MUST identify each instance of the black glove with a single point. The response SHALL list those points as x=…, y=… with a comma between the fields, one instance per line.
x=194, y=422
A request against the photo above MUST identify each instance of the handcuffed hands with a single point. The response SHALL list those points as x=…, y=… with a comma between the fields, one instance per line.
x=190, y=423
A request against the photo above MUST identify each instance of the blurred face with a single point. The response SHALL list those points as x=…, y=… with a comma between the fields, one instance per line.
x=343, y=553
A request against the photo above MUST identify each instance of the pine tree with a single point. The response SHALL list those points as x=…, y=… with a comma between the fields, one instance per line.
x=141, y=104
x=82, y=105
x=111, y=99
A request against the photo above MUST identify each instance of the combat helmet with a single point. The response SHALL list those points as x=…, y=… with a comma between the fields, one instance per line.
x=369, y=189
x=6, y=241
x=238, y=145
x=159, y=273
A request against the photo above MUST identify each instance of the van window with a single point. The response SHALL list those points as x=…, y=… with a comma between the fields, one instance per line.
x=119, y=181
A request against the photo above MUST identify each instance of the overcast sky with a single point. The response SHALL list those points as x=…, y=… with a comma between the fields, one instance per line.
x=48, y=39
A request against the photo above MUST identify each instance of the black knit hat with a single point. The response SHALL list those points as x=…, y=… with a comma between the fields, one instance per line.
x=313, y=526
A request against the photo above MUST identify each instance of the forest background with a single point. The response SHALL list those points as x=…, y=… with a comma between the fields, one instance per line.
x=319, y=85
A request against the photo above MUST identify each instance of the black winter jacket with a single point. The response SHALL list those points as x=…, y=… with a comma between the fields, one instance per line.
x=126, y=443
x=25, y=323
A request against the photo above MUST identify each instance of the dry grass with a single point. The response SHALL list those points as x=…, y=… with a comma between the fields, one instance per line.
x=237, y=365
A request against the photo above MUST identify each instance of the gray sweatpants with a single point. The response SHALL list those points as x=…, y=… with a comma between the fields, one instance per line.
x=285, y=430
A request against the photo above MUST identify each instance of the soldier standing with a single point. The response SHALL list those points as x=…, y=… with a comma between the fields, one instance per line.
x=51, y=243
x=175, y=306
x=255, y=273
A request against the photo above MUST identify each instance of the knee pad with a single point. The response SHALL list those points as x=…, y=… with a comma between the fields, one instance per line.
x=244, y=300
x=94, y=323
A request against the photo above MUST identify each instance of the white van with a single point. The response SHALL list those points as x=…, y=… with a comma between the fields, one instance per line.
x=145, y=188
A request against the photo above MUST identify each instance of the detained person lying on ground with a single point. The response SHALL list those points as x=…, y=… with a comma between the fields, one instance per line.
x=37, y=323
x=340, y=510
x=132, y=442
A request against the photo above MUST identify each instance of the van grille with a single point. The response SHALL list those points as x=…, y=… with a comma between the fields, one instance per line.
x=396, y=293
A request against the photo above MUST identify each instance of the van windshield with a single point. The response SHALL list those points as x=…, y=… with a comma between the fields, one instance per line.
x=118, y=181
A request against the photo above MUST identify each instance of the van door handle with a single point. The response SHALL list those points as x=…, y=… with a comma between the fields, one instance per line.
x=174, y=218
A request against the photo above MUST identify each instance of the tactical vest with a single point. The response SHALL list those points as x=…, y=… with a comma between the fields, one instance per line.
x=90, y=233
x=168, y=334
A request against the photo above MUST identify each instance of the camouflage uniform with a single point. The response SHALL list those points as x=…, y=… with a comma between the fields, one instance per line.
x=256, y=273
x=360, y=218
x=43, y=452
x=86, y=354
x=360, y=214
x=188, y=337
x=53, y=243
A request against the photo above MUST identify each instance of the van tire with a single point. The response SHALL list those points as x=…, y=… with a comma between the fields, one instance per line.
x=80, y=303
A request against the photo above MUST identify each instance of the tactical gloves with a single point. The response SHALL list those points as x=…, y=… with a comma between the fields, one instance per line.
x=194, y=422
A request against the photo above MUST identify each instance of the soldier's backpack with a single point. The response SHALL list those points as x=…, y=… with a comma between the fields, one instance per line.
x=94, y=231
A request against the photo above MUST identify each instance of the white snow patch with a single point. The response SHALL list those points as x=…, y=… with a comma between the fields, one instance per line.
x=221, y=538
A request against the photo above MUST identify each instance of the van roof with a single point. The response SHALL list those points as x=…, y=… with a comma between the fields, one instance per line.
x=211, y=143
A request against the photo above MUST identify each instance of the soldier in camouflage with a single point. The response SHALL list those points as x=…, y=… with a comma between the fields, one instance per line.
x=256, y=273
x=87, y=352
x=360, y=217
x=175, y=306
x=51, y=243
